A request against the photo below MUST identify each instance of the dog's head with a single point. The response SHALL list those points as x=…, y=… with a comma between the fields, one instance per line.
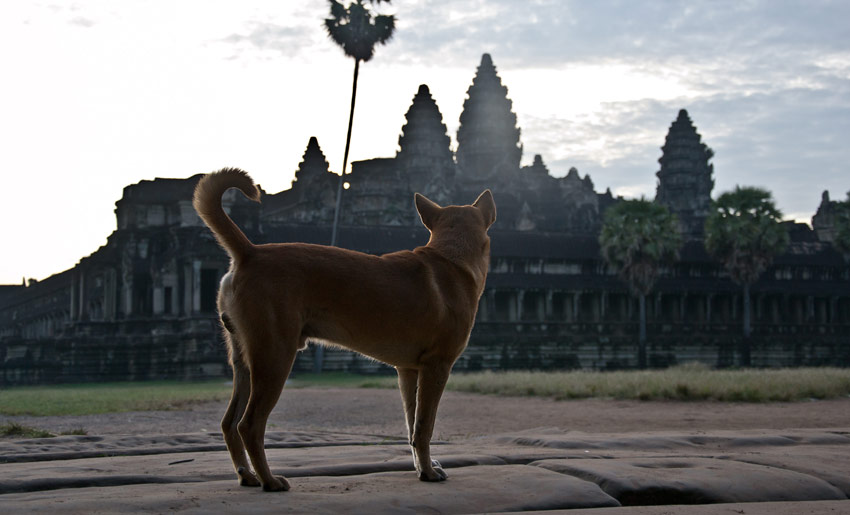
x=464, y=228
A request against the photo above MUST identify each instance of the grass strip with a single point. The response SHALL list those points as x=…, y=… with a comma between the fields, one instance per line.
x=95, y=398
x=682, y=383
x=15, y=430
x=688, y=382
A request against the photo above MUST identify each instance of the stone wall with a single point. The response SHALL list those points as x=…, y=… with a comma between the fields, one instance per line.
x=130, y=351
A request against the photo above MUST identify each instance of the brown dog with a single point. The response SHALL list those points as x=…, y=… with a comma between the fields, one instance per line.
x=413, y=310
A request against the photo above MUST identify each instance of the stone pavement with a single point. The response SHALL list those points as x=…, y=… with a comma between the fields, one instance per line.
x=793, y=471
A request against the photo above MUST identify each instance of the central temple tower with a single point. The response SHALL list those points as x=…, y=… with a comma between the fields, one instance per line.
x=488, y=136
x=685, y=178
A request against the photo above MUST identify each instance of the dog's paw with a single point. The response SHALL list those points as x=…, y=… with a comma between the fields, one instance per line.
x=434, y=474
x=278, y=484
x=247, y=478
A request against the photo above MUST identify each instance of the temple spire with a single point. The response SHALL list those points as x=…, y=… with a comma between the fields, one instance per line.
x=685, y=178
x=488, y=136
x=312, y=165
x=424, y=145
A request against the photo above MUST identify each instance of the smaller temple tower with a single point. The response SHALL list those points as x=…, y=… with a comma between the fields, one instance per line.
x=425, y=152
x=823, y=221
x=312, y=195
x=488, y=137
x=685, y=178
x=313, y=166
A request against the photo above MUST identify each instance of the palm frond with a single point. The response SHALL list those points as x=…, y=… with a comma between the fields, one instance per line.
x=637, y=238
x=356, y=30
x=744, y=231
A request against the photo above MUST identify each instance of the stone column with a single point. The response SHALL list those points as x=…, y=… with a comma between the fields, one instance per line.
x=158, y=299
x=734, y=308
x=810, y=309
x=520, y=297
x=833, y=309
x=187, y=289
x=490, y=295
x=82, y=300
x=658, y=305
x=109, y=295
x=576, y=303
x=603, y=305
x=483, y=310
x=73, y=306
x=550, y=305
x=196, y=286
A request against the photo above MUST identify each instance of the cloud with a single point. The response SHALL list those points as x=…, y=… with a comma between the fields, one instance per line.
x=766, y=83
x=790, y=142
x=554, y=32
x=287, y=40
x=79, y=21
x=618, y=147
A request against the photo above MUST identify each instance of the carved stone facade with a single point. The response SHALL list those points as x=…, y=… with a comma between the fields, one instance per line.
x=143, y=305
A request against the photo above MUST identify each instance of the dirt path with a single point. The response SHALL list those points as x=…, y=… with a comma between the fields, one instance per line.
x=375, y=411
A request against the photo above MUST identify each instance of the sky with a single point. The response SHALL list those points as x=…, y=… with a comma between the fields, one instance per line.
x=97, y=95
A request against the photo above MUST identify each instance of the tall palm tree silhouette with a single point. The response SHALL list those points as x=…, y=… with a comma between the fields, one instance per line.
x=357, y=31
x=637, y=238
x=744, y=231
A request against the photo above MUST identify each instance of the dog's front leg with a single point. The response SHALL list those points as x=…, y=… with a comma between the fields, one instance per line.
x=430, y=385
x=407, y=378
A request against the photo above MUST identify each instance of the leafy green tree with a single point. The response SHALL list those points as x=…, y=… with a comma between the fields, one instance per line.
x=745, y=233
x=356, y=30
x=638, y=237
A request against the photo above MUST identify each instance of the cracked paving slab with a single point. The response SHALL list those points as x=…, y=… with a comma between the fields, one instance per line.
x=542, y=469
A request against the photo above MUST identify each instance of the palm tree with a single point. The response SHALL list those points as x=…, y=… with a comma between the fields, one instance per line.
x=744, y=231
x=357, y=31
x=638, y=237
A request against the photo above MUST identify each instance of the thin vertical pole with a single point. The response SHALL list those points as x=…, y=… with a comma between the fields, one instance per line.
x=345, y=155
x=319, y=356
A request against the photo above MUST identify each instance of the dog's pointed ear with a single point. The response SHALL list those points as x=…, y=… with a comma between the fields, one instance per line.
x=485, y=203
x=428, y=209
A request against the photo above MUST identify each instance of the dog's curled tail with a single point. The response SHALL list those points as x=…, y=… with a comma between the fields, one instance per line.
x=207, y=202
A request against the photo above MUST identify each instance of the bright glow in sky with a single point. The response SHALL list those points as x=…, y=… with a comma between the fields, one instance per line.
x=98, y=95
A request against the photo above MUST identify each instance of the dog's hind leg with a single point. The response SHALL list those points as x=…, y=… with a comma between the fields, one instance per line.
x=235, y=410
x=270, y=361
x=430, y=385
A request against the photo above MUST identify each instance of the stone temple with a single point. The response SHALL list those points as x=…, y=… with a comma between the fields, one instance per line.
x=143, y=305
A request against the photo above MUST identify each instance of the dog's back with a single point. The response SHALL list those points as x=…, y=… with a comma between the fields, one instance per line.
x=380, y=306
